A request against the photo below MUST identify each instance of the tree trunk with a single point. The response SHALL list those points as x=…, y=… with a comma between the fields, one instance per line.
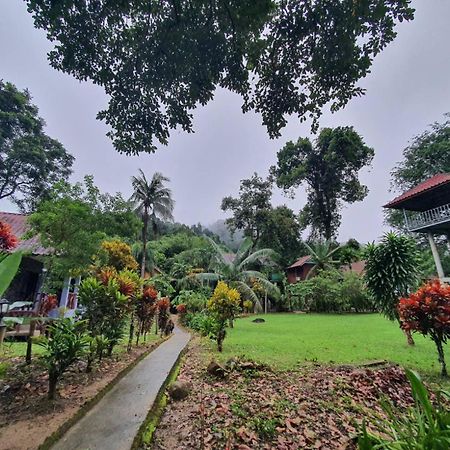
x=52, y=381
x=220, y=339
x=144, y=243
x=130, y=336
x=110, y=348
x=231, y=322
x=90, y=359
x=441, y=357
x=30, y=341
x=409, y=337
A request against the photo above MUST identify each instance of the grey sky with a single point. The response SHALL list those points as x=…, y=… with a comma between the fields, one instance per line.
x=409, y=88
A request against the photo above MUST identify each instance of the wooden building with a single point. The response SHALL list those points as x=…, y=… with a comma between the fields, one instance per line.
x=426, y=209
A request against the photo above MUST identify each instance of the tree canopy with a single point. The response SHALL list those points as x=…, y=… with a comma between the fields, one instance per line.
x=75, y=220
x=158, y=60
x=329, y=167
x=251, y=208
x=428, y=154
x=30, y=161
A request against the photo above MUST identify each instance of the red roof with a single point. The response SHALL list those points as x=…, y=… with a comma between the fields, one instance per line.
x=303, y=260
x=431, y=183
x=19, y=226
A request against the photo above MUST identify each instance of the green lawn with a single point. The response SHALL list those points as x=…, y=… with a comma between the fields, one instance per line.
x=286, y=340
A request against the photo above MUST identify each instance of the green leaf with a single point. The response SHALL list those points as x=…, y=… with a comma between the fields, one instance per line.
x=8, y=269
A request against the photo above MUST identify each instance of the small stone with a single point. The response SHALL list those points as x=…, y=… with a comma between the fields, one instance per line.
x=214, y=368
x=258, y=320
x=179, y=390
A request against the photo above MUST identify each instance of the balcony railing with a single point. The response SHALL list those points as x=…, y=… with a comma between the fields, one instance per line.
x=431, y=217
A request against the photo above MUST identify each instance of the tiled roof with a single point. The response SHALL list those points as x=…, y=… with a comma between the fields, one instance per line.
x=300, y=262
x=19, y=226
x=431, y=183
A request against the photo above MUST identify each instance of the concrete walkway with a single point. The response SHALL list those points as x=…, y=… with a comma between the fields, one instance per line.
x=114, y=421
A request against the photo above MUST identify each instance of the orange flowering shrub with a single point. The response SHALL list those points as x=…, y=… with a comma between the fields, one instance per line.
x=181, y=309
x=150, y=293
x=427, y=311
x=7, y=239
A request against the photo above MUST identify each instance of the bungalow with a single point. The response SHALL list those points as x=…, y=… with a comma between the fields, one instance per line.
x=299, y=270
x=27, y=284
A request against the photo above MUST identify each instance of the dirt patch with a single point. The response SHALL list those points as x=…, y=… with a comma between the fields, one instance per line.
x=27, y=418
x=316, y=407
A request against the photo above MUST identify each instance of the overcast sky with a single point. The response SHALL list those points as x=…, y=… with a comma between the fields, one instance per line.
x=409, y=88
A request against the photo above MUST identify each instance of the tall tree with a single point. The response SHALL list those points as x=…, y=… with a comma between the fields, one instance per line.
x=329, y=168
x=428, y=154
x=30, y=161
x=251, y=208
x=158, y=60
x=282, y=233
x=152, y=200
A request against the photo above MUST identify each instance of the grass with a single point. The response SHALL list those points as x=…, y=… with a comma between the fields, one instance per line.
x=286, y=340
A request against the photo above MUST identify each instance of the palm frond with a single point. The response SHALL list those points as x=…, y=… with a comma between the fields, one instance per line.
x=248, y=293
x=271, y=288
x=208, y=276
x=243, y=250
x=219, y=253
x=260, y=255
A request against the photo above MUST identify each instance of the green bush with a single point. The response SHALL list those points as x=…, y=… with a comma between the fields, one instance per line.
x=206, y=324
x=330, y=291
x=194, y=301
x=424, y=426
x=65, y=343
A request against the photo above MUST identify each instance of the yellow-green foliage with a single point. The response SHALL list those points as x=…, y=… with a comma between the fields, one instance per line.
x=224, y=301
x=117, y=254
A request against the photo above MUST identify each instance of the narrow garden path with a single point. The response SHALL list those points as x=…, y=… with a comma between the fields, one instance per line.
x=114, y=421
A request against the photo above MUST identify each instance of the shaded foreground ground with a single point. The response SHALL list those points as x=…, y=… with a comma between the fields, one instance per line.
x=254, y=407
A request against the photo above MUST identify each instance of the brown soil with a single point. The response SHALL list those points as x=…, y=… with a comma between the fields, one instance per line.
x=254, y=407
x=27, y=417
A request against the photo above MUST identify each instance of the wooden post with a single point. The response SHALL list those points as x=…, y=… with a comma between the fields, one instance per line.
x=436, y=257
x=265, y=303
x=30, y=340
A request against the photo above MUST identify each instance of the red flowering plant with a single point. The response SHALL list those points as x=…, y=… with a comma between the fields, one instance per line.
x=7, y=239
x=163, y=305
x=427, y=311
x=146, y=310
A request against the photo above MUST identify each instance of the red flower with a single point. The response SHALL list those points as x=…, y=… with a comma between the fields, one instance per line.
x=7, y=239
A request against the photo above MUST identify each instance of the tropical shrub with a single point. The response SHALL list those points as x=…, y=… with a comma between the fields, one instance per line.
x=427, y=311
x=163, y=306
x=162, y=284
x=145, y=311
x=424, y=426
x=194, y=301
x=248, y=306
x=106, y=307
x=203, y=322
x=392, y=272
x=116, y=253
x=353, y=289
x=223, y=305
x=66, y=342
x=330, y=291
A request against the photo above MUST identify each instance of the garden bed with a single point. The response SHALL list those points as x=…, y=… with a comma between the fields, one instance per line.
x=27, y=418
x=315, y=406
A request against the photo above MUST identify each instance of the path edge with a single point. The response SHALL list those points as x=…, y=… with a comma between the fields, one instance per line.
x=89, y=404
x=148, y=427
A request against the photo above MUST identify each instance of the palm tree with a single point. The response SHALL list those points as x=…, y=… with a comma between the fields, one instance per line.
x=236, y=273
x=152, y=200
x=321, y=256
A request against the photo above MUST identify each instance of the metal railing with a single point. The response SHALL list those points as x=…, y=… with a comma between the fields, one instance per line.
x=424, y=219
